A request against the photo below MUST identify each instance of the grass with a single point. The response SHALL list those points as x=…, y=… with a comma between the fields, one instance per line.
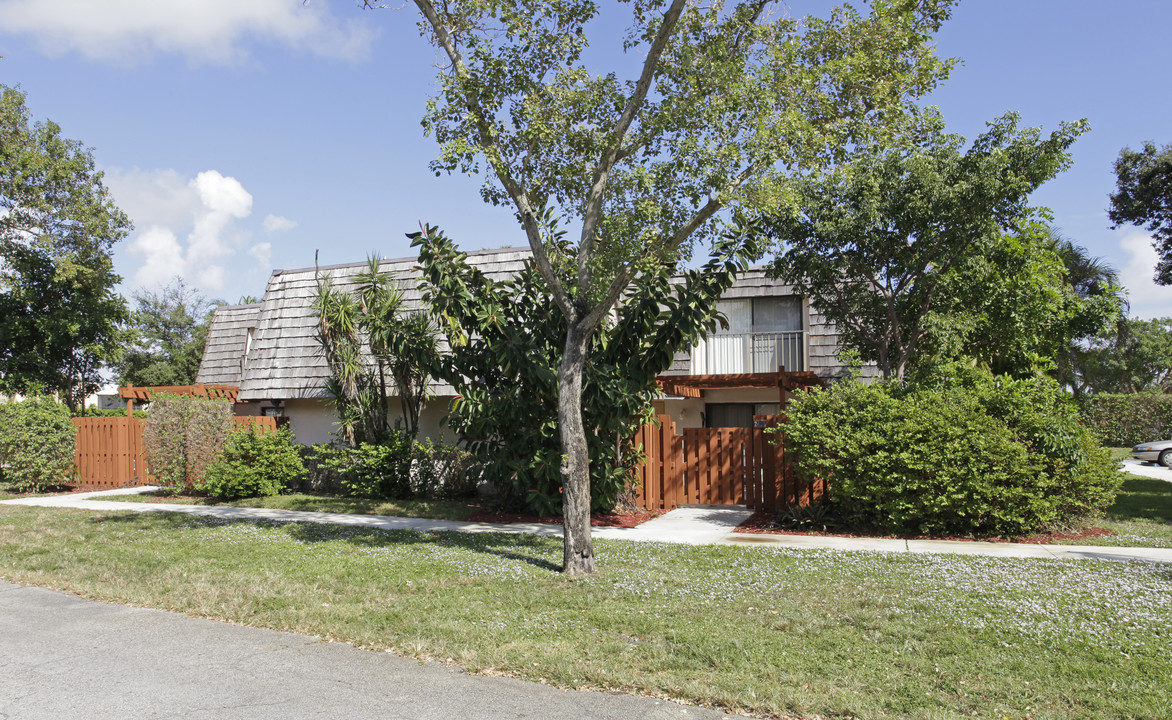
x=764, y=630
x=1140, y=517
x=1119, y=453
x=433, y=509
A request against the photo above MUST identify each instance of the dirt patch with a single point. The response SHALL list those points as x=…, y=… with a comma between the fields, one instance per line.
x=763, y=523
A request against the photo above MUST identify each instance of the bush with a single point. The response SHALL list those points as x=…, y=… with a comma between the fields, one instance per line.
x=960, y=452
x=95, y=412
x=36, y=444
x=441, y=472
x=183, y=435
x=254, y=464
x=1127, y=420
x=381, y=470
x=396, y=469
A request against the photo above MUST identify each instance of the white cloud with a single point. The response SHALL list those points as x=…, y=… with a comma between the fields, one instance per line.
x=1148, y=300
x=263, y=252
x=163, y=205
x=205, y=31
x=276, y=223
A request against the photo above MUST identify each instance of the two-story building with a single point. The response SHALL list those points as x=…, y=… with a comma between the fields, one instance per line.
x=270, y=351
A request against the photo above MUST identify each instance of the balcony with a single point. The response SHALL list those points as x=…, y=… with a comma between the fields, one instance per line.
x=736, y=353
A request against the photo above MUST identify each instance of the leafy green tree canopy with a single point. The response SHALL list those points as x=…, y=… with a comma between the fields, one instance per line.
x=59, y=313
x=166, y=336
x=1143, y=197
x=728, y=99
x=875, y=241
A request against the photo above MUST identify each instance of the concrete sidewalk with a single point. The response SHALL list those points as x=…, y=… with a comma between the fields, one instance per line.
x=65, y=657
x=697, y=525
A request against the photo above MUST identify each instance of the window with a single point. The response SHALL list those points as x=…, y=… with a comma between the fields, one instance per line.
x=729, y=415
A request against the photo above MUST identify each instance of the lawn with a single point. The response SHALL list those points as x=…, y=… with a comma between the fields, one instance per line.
x=434, y=509
x=1140, y=517
x=765, y=630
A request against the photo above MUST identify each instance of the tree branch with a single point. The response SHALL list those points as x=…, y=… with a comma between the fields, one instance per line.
x=488, y=144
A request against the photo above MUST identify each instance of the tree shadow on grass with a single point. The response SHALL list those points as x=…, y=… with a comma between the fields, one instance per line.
x=523, y=548
x=1143, y=498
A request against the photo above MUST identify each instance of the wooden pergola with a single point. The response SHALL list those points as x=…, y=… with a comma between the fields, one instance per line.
x=131, y=393
x=693, y=386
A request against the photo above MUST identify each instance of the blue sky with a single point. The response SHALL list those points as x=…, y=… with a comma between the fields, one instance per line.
x=245, y=136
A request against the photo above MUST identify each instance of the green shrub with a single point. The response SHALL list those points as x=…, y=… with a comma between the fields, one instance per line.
x=183, y=435
x=1127, y=420
x=253, y=464
x=95, y=412
x=960, y=452
x=397, y=469
x=36, y=444
x=381, y=470
x=441, y=472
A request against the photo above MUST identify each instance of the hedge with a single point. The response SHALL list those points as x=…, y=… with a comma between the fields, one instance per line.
x=1127, y=420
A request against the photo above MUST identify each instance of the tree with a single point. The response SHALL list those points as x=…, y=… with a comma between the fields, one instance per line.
x=1143, y=197
x=372, y=322
x=1137, y=357
x=59, y=313
x=166, y=336
x=505, y=339
x=728, y=101
x=875, y=241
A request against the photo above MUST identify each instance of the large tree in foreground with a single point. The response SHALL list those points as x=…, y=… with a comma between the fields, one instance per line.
x=1143, y=197
x=59, y=313
x=724, y=102
x=874, y=242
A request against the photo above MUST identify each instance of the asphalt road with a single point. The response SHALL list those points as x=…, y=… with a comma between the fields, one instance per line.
x=1152, y=470
x=62, y=657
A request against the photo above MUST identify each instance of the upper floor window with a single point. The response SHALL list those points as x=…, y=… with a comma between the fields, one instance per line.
x=762, y=314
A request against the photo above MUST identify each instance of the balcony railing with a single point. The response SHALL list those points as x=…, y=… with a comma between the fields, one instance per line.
x=749, y=353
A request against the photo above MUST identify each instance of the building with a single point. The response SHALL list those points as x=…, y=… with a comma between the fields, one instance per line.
x=269, y=350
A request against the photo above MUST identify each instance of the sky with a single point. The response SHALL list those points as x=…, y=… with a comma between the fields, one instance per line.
x=241, y=137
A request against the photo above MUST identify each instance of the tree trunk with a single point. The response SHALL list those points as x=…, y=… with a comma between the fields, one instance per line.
x=578, y=558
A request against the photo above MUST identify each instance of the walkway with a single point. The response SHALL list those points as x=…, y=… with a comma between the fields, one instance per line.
x=696, y=525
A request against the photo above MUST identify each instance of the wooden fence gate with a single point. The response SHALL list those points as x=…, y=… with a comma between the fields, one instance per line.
x=109, y=452
x=718, y=466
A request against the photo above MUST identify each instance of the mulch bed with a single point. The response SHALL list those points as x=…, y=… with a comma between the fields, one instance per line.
x=762, y=523
x=625, y=520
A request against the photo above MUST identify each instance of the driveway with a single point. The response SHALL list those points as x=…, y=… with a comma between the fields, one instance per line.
x=64, y=657
x=1152, y=470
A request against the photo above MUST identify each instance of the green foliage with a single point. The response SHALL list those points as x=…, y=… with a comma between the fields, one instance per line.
x=183, y=436
x=957, y=451
x=1125, y=420
x=371, y=470
x=1143, y=197
x=253, y=464
x=876, y=242
x=166, y=337
x=1015, y=307
x=59, y=313
x=366, y=335
x=398, y=468
x=507, y=339
x=441, y=472
x=1137, y=357
x=95, y=412
x=36, y=444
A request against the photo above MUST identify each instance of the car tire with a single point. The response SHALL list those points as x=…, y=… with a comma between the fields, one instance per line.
x=1166, y=458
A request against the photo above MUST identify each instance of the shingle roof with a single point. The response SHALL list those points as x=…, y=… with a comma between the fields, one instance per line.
x=227, y=336
x=285, y=361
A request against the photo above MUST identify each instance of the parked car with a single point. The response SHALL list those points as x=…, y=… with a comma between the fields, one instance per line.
x=1160, y=452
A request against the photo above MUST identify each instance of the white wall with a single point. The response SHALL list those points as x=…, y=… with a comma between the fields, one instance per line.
x=314, y=422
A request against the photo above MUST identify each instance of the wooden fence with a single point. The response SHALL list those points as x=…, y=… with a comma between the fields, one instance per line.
x=109, y=452
x=718, y=466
